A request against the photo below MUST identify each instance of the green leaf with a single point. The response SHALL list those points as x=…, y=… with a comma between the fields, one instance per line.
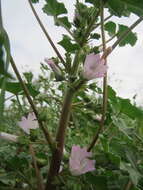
x=104, y=142
x=125, y=7
x=95, y=36
x=35, y=1
x=131, y=38
x=110, y=27
x=129, y=109
x=68, y=45
x=124, y=105
x=54, y=8
x=120, y=123
x=94, y=2
x=4, y=40
x=135, y=6
x=134, y=174
x=115, y=159
x=15, y=88
x=111, y=93
x=100, y=181
x=63, y=21
x=117, y=7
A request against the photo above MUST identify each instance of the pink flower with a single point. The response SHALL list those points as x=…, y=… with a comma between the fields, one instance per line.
x=79, y=162
x=94, y=67
x=28, y=123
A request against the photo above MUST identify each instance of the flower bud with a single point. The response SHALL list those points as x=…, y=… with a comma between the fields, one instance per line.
x=55, y=69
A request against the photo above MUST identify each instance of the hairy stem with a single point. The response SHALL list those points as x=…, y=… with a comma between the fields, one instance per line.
x=40, y=184
x=46, y=33
x=26, y=91
x=60, y=139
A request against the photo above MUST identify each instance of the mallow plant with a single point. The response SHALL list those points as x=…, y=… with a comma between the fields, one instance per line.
x=67, y=132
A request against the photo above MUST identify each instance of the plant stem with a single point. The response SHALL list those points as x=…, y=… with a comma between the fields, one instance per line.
x=40, y=183
x=60, y=139
x=1, y=23
x=46, y=33
x=75, y=64
x=19, y=104
x=6, y=99
x=107, y=18
x=8, y=137
x=105, y=94
x=26, y=91
x=105, y=55
x=109, y=40
x=129, y=185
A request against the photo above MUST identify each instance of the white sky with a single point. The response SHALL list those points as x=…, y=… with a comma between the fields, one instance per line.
x=30, y=47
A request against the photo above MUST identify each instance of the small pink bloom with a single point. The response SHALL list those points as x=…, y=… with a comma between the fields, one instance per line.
x=53, y=66
x=28, y=123
x=94, y=67
x=79, y=162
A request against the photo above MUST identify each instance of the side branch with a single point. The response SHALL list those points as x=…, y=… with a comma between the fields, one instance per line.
x=122, y=37
x=105, y=94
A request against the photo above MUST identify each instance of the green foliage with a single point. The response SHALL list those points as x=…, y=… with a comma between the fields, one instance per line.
x=15, y=88
x=131, y=38
x=35, y=1
x=118, y=8
x=95, y=36
x=110, y=27
x=63, y=21
x=54, y=8
x=68, y=45
x=5, y=44
x=124, y=8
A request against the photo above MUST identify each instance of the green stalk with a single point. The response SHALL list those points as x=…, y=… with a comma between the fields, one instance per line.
x=105, y=93
x=40, y=184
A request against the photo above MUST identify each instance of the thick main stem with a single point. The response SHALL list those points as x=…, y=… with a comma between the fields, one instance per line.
x=60, y=139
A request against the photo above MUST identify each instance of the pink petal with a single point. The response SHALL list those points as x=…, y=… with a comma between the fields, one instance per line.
x=94, y=67
x=79, y=161
x=28, y=123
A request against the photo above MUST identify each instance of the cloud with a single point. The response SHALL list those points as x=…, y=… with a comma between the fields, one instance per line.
x=30, y=46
